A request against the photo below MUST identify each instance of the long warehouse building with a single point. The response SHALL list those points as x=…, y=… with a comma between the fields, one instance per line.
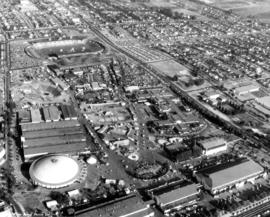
x=51, y=133
x=54, y=140
x=223, y=177
x=57, y=149
x=177, y=198
x=52, y=137
x=128, y=206
x=49, y=125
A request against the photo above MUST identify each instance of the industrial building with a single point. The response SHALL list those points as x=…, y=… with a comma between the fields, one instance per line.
x=178, y=151
x=174, y=196
x=54, y=113
x=51, y=113
x=47, y=113
x=50, y=125
x=74, y=148
x=68, y=112
x=264, y=101
x=128, y=206
x=51, y=133
x=24, y=116
x=246, y=89
x=244, y=209
x=54, y=140
x=234, y=174
x=65, y=113
x=56, y=171
x=35, y=115
x=213, y=146
x=52, y=137
x=211, y=95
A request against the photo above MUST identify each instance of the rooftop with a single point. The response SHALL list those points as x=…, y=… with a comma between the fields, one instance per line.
x=247, y=88
x=49, y=125
x=212, y=143
x=59, y=148
x=54, y=112
x=234, y=173
x=264, y=101
x=54, y=140
x=128, y=207
x=177, y=194
x=54, y=171
x=52, y=132
x=35, y=115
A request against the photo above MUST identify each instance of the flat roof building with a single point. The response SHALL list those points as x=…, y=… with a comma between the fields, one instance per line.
x=175, y=195
x=178, y=195
x=50, y=125
x=212, y=94
x=75, y=148
x=246, y=89
x=52, y=137
x=54, y=140
x=220, y=178
x=54, y=113
x=35, y=116
x=65, y=113
x=213, y=146
x=71, y=112
x=264, y=101
x=51, y=132
x=68, y=112
x=130, y=206
x=24, y=116
x=46, y=114
x=178, y=151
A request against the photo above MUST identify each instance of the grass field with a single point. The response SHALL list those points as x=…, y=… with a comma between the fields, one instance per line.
x=170, y=68
x=255, y=8
x=31, y=201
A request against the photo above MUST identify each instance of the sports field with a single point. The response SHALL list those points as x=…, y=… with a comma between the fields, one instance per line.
x=72, y=47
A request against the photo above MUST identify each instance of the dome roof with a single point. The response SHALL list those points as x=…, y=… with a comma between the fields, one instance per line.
x=92, y=160
x=55, y=171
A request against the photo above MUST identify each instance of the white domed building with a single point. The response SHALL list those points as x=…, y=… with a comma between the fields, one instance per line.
x=92, y=160
x=57, y=171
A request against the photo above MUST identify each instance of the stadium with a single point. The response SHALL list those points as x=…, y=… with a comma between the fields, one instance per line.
x=65, y=48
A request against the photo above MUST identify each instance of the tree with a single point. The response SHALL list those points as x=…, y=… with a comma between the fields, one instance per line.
x=3, y=195
x=194, y=72
x=59, y=197
x=174, y=78
x=167, y=12
x=199, y=81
